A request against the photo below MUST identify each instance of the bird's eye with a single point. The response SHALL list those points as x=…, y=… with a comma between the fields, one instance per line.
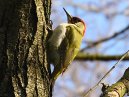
x=74, y=20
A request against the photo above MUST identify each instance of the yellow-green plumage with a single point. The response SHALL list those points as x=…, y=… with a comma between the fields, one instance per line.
x=64, y=45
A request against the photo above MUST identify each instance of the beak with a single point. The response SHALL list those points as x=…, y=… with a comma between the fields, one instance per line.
x=69, y=17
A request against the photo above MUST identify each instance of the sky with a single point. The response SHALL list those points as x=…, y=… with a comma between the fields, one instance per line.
x=111, y=18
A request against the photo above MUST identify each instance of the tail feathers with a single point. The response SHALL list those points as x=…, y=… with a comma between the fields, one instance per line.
x=52, y=82
x=58, y=69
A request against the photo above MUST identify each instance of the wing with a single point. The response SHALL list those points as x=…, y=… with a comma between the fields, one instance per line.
x=69, y=46
x=67, y=50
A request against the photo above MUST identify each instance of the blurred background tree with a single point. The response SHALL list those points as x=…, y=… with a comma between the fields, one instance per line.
x=107, y=34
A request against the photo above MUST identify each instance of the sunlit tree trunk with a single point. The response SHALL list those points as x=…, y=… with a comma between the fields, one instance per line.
x=24, y=71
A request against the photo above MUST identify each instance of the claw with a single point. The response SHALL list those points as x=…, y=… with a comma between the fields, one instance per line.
x=49, y=28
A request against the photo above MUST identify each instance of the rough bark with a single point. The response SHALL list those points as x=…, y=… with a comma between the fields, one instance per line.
x=24, y=71
x=120, y=88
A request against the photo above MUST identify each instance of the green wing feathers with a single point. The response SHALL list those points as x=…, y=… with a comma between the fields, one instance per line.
x=73, y=39
x=68, y=49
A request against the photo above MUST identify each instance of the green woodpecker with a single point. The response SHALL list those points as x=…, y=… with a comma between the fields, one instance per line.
x=64, y=43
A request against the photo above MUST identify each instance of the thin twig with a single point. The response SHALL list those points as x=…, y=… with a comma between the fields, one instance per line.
x=87, y=93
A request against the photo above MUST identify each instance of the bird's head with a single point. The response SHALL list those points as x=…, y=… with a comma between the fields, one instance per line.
x=76, y=20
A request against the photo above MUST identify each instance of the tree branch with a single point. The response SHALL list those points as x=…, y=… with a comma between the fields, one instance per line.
x=120, y=88
x=93, y=57
x=123, y=56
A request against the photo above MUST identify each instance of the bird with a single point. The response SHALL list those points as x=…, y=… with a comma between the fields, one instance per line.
x=64, y=44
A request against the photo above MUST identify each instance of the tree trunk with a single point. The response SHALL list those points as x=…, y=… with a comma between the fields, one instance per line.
x=24, y=70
